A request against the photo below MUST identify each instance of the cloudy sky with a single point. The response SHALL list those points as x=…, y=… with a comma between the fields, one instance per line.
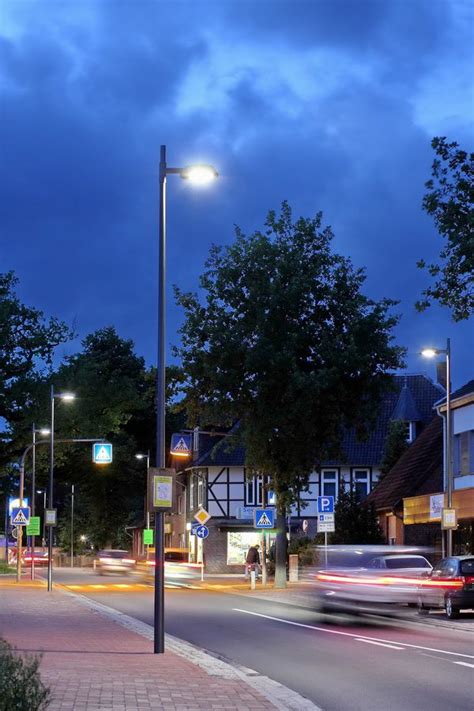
x=330, y=104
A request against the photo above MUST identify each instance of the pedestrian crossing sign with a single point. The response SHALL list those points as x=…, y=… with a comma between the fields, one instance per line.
x=264, y=518
x=181, y=445
x=102, y=453
x=21, y=516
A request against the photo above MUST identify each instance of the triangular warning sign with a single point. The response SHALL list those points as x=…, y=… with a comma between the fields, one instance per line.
x=264, y=520
x=20, y=518
x=181, y=446
x=103, y=455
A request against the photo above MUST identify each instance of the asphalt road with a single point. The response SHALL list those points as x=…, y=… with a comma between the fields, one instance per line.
x=340, y=668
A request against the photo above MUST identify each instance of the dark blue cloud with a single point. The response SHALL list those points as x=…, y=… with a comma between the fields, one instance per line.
x=330, y=105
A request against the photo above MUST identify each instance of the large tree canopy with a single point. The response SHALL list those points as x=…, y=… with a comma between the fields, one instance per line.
x=450, y=201
x=285, y=343
x=27, y=344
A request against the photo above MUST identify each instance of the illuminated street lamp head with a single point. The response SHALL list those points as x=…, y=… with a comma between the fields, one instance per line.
x=44, y=431
x=429, y=352
x=67, y=397
x=199, y=174
x=140, y=456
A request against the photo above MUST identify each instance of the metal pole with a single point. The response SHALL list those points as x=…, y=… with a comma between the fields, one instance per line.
x=264, y=538
x=159, y=636
x=72, y=525
x=44, y=518
x=7, y=526
x=51, y=502
x=33, y=497
x=19, y=529
x=449, y=468
x=147, y=503
x=325, y=549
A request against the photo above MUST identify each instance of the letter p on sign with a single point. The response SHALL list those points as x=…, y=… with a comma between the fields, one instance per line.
x=325, y=504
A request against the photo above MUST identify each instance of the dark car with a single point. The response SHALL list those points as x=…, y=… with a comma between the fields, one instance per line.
x=449, y=586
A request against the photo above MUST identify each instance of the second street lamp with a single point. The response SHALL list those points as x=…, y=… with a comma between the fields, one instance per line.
x=147, y=507
x=67, y=397
x=44, y=432
x=432, y=353
x=199, y=174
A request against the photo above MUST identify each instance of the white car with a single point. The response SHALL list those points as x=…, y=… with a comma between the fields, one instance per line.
x=403, y=563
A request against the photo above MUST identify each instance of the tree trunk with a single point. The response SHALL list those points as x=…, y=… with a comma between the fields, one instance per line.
x=280, y=551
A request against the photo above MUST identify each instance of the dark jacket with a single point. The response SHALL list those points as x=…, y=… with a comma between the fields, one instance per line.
x=253, y=556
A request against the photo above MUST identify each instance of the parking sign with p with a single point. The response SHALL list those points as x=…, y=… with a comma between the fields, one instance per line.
x=325, y=504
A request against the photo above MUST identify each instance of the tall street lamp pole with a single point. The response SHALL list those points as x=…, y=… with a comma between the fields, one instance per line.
x=199, y=174
x=67, y=397
x=431, y=353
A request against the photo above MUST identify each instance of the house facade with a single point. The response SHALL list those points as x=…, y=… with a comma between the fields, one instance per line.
x=425, y=507
x=219, y=481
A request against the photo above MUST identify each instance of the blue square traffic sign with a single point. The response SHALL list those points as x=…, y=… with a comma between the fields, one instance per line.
x=102, y=453
x=325, y=504
x=264, y=518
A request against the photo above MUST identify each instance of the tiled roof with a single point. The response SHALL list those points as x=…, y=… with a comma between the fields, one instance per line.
x=418, y=471
x=405, y=409
x=467, y=389
x=423, y=393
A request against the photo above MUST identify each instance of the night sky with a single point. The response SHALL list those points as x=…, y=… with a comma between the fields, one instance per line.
x=330, y=104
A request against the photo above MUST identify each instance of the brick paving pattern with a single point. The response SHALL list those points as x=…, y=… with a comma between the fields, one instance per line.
x=90, y=662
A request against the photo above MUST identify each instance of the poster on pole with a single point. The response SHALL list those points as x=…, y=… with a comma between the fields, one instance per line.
x=161, y=484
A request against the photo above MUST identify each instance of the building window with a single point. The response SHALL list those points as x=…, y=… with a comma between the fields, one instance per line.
x=181, y=504
x=361, y=483
x=329, y=483
x=253, y=490
x=463, y=455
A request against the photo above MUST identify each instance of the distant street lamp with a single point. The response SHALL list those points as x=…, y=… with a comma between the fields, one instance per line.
x=66, y=397
x=432, y=353
x=44, y=432
x=147, y=507
x=200, y=175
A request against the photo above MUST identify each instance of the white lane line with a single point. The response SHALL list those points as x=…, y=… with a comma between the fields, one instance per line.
x=350, y=634
x=379, y=644
x=465, y=664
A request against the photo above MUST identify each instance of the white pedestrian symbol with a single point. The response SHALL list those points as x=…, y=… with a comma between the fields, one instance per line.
x=103, y=455
x=264, y=520
x=181, y=446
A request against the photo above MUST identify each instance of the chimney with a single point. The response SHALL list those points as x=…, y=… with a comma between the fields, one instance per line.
x=441, y=374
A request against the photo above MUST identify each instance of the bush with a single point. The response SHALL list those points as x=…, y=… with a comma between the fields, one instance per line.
x=21, y=688
x=5, y=568
x=304, y=548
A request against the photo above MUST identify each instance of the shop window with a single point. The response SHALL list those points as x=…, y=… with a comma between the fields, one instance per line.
x=238, y=544
x=463, y=454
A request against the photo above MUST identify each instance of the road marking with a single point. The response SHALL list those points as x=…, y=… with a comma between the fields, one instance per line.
x=465, y=664
x=349, y=634
x=379, y=644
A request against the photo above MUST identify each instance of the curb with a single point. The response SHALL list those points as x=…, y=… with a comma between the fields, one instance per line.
x=280, y=696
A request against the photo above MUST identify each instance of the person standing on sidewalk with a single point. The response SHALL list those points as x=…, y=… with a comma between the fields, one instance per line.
x=253, y=559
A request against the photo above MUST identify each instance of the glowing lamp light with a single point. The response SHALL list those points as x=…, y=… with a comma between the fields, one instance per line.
x=429, y=352
x=199, y=174
x=67, y=397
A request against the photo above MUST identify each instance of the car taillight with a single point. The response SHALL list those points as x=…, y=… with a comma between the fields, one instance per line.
x=468, y=579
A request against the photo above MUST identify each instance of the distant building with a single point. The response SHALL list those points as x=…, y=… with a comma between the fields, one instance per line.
x=219, y=481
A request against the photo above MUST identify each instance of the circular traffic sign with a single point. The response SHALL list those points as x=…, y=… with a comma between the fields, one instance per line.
x=202, y=531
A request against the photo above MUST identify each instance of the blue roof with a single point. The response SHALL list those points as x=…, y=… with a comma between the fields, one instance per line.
x=405, y=409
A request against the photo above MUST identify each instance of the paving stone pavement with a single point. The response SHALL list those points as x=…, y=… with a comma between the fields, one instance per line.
x=90, y=662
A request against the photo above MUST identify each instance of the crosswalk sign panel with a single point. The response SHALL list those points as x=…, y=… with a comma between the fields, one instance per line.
x=264, y=518
x=102, y=453
x=21, y=516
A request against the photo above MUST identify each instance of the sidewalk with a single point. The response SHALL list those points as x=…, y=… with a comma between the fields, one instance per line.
x=91, y=662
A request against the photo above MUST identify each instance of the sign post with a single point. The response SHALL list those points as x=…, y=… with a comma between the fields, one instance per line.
x=160, y=497
x=326, y=521
x=202, y=517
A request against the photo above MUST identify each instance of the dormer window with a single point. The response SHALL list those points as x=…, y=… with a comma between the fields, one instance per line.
x=410, y=431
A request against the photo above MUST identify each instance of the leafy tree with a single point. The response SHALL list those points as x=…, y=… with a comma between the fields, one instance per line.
x=356, y=521
x=27, y=344
x=450, y=201
x=395, y=445
x=21, y=687
x=286, y=344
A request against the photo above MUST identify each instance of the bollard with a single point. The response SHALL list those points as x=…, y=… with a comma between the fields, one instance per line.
x=252, y=579
x=293, y=566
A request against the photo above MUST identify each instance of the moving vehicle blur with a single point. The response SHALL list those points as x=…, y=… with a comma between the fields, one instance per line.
x=114, y=561
x=369, y=579
x=450, y=586
x=177, y=565
x=38, y=557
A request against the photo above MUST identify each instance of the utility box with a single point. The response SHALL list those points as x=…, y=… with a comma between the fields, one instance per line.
x=293, y=568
